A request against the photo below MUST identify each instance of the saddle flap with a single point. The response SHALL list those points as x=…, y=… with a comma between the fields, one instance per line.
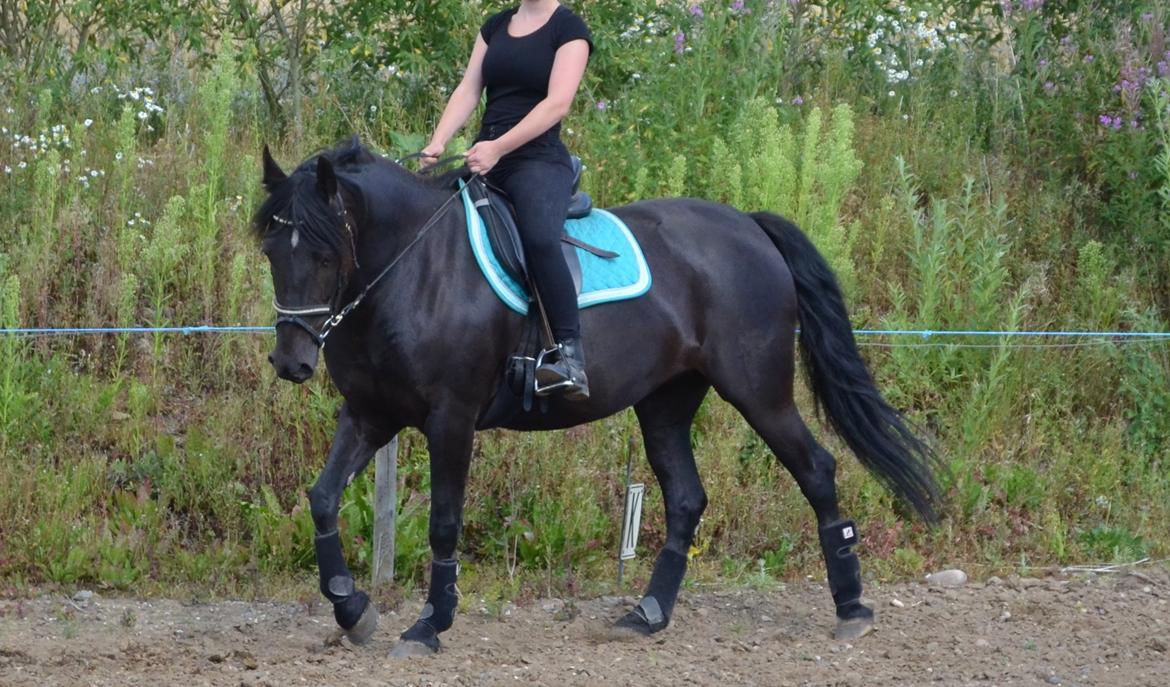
x=496, y=210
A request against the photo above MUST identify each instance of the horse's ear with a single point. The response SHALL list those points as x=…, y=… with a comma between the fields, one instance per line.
x=326, y=178
x=273, y=174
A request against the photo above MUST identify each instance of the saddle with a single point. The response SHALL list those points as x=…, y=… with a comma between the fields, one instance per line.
x=499, y=217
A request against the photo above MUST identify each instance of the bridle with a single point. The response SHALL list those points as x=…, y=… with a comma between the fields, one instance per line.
x=296, y=315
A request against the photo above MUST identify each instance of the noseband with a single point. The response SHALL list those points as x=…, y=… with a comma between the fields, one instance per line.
x=296, y=316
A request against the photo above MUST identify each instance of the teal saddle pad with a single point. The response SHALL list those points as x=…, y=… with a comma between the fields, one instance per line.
x=602, y=280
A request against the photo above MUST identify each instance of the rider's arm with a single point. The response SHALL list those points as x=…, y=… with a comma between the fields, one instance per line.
x=463, y=101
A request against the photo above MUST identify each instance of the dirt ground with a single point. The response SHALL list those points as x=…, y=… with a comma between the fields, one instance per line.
x=1095, y=630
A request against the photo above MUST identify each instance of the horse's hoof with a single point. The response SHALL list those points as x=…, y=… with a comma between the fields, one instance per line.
x=406, y=648
x=634, y=624
x=363, y=630
x=851, y=629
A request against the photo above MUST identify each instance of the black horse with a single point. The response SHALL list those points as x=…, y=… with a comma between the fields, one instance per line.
x=426, y=344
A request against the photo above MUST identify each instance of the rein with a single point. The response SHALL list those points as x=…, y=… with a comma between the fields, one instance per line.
x=296, y=316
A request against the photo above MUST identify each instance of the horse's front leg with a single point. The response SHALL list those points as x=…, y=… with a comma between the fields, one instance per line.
x=449, y=438
x=354, y=443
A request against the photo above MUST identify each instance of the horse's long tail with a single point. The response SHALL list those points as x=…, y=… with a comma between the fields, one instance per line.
x=841, y=383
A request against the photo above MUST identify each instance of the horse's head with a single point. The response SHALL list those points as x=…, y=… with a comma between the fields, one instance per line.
x=307, y=237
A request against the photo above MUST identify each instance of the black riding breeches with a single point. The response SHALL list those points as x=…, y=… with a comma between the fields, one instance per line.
x=540, y=190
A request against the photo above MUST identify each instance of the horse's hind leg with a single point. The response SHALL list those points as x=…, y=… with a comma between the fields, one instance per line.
x=815, y=471
x=666, y=417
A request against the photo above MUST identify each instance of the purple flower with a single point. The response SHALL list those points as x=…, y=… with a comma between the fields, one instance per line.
x=601, y=105
x=1147, y=16
x=1042, y=63
x=738, y=8
x=798, y=101
x=680, y=41
x=1031, y=5
x=1049, y=87
x=1089, y=58
x=696, y=11
x=1133, y=176
x=1163, y=68
x=1110, y=121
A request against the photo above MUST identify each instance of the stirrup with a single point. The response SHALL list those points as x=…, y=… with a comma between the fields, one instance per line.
x=546, y=390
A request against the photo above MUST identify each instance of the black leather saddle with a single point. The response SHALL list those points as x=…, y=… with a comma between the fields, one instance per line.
x=499, y=217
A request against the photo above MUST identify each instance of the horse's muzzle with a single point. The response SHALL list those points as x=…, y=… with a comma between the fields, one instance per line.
x=295, y=355
x=293, y=372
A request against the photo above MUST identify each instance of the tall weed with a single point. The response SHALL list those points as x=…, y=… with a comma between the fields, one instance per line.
x=805, y=176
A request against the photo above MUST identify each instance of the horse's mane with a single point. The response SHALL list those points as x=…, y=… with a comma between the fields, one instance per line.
x=296, y=202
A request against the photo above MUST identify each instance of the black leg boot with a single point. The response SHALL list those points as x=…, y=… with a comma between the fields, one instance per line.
x=854, y=619
x=567, y=372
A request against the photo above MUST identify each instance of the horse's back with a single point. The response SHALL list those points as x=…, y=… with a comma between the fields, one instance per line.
x=717, y=254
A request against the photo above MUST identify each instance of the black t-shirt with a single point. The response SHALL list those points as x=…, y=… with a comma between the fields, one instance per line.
x=516, y=70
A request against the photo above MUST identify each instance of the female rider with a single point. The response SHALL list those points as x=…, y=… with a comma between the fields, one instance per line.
x=530, y=59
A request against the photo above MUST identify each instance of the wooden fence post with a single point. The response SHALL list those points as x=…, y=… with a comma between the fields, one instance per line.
x=385, y=512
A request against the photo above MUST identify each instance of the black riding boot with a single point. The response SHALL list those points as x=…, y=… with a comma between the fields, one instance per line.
x=568, y=369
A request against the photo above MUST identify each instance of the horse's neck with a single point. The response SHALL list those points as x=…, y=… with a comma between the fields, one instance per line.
x=397, y=206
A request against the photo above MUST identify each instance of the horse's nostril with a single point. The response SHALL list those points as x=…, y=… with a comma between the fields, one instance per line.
x=271, y=360
x=305, y=371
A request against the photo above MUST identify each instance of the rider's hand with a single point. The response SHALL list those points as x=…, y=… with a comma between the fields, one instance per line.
x=482, y=156
x=430, y=154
